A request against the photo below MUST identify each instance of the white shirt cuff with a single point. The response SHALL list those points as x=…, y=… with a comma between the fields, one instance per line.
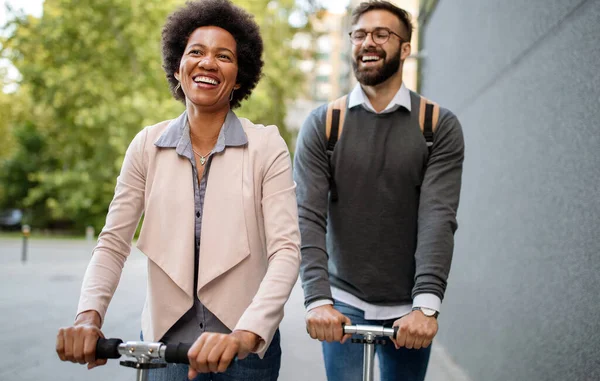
x=318, y=303
x=430, y=301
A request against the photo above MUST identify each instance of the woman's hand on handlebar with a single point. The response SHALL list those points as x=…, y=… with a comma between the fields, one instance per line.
x=213, y=352
x=78, y=342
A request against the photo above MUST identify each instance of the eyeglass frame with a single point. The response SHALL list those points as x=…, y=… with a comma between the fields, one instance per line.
x=379, y=28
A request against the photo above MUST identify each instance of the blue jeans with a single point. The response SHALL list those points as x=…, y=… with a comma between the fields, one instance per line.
x=344, y=362
x=252, y=368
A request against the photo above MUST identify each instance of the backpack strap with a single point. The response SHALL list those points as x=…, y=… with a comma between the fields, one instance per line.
x=336, y=112
x=334, y=124
x=429, y=113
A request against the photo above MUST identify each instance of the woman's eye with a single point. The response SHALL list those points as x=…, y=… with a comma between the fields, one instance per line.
x=225, y=57
x=195, y=52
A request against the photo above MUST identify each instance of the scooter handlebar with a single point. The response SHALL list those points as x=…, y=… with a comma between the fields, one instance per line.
x=115, y=348
x=177, y=353
x=374, y=330
x=108, y=348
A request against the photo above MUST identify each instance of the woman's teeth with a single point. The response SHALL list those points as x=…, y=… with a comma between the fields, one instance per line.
x=210, y=81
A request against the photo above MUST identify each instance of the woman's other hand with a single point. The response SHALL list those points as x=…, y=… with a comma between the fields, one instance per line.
x=78, y=342
x=213, y=352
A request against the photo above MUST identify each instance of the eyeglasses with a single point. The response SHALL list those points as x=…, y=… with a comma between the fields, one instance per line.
x=379, y=36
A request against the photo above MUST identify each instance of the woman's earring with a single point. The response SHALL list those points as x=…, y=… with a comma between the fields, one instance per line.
x=178, y=86
x=231, y=96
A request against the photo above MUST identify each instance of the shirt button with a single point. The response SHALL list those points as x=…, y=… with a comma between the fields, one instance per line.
x=201, y=325
x=198, y=214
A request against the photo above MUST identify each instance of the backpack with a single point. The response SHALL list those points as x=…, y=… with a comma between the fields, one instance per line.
x=429, y=113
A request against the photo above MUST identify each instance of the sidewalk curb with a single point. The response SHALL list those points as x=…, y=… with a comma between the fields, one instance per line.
x=446, y=369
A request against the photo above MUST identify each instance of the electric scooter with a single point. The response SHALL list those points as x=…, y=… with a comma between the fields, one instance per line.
x=142, y=353
x=369, y=340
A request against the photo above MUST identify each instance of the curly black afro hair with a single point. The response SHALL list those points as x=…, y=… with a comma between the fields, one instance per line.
x=223, y=14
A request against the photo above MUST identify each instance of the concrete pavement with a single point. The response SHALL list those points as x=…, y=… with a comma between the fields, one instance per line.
x=38, y=297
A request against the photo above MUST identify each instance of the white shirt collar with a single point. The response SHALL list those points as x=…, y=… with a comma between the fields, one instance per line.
x=359, y=98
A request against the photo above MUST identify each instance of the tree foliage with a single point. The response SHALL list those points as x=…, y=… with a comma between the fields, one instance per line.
x=91, y=79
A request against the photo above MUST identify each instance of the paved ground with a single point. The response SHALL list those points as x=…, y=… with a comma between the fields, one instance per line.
x=38, y=297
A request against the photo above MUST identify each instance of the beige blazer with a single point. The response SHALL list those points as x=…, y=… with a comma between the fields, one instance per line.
x=250, y=243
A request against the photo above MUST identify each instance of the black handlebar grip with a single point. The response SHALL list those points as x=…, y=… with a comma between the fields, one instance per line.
x=108, y=348
x=177, y=353
x=395, y=332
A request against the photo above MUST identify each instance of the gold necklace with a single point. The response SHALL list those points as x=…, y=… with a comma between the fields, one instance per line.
x=203, y=158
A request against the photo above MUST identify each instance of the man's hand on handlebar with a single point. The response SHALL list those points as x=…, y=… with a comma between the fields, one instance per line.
x=325, y=323
x=78, y=342
x=415, y=330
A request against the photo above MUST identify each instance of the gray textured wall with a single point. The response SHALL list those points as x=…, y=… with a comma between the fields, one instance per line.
x=524, y=79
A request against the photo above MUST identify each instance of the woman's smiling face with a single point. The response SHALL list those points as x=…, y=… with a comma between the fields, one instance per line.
x=208, y=68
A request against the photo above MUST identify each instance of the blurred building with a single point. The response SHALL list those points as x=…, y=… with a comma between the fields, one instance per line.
x=523, y=298
x=332, y=61
x=326, y=65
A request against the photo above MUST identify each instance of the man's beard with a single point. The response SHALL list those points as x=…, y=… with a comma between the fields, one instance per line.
x=375, y=77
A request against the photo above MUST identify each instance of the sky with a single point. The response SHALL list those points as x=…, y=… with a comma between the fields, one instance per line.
x=34, y=7
x=338, y=6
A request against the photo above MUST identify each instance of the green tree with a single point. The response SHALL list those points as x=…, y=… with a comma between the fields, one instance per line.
x=91, y=79
x=6, y=116
x=281, y=78
x=92, y=74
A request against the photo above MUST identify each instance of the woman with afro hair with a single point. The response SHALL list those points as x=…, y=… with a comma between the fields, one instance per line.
x=220, y=229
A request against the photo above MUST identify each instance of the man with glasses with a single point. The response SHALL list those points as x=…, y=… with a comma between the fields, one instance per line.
x=377, y=249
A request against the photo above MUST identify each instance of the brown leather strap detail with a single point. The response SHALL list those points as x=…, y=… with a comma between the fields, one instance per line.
x=435, y=116
x=328, y=121
x=339, y=104
x=422, y=104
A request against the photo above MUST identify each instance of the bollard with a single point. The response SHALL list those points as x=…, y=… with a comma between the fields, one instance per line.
x=89, y=233
x=25, y=229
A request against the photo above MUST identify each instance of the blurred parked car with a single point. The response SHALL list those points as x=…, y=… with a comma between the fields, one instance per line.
x=11, y=219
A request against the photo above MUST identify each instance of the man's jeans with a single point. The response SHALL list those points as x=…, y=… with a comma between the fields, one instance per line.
x=343, y=362
x=252, y=368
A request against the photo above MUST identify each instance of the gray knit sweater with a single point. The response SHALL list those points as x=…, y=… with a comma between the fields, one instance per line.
x=390, y=235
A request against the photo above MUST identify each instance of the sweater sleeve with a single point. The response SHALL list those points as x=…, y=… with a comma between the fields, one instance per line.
x=438, y=205
x=311, y=173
